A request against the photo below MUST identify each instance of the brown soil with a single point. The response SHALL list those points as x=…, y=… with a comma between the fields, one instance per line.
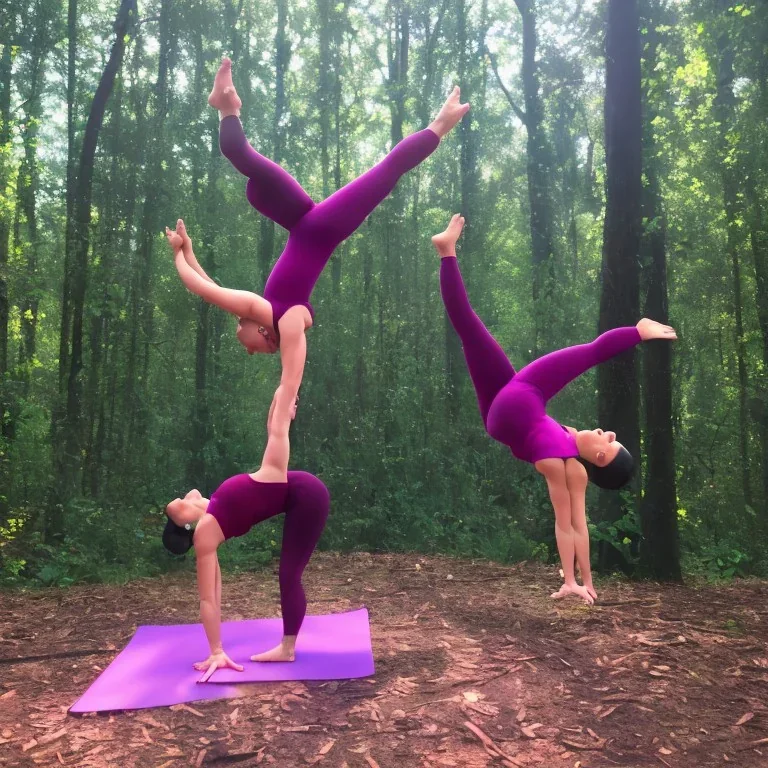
x=478, y=670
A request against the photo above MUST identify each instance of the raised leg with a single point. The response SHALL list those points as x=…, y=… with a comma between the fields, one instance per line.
x=338, y=216
x=489, y=367
x=271, y=190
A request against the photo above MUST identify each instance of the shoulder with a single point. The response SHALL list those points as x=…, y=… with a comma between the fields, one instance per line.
x=295, y=321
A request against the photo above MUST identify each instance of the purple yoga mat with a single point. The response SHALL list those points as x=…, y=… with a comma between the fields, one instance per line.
x=155, y=668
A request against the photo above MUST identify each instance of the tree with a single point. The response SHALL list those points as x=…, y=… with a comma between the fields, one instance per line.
x=660, y=549
x=538, y=166
x=68, y=429
x=618, y=395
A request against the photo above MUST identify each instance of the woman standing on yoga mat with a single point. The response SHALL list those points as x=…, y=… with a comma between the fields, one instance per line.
x=280, y=318
x=234, y=508
x=512, y=405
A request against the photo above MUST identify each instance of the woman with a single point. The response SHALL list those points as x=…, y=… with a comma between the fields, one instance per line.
x=235, y=507
x=512, y=405
x=280, y=318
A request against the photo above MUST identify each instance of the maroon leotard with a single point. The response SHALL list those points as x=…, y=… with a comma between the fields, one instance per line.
x=513, y=404
x=315, y=230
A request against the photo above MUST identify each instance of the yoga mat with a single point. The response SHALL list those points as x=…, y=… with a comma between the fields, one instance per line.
x=155, y=668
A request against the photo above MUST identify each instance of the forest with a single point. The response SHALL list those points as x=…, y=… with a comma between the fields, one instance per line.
x=612, y=166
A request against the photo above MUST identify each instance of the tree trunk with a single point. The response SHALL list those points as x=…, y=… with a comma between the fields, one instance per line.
x=618, y=396
x=282, y=61
x=538, y=168
x=69, y=464
x=724, y=109
x=660, y=548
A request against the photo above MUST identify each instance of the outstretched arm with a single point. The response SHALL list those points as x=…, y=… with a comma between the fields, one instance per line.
x=239, y=303
x=274, y=464
x=189, y=254
x=208, y=536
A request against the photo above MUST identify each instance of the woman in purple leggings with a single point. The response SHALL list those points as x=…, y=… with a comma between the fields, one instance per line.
x=512, y=404
x=280, y=318
x=234, y=508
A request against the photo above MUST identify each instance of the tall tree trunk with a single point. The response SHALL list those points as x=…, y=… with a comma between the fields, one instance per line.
x=29, y=178
x=660, y=549
x=6, y=66
x=538, y=168
x=724, y=108
x=69, y=239
x=618, y=396
x=69, y=464
x=758, y=236
x=282, y=61
x=155, y=184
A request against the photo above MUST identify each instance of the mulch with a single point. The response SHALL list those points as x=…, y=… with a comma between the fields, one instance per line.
x=475, y=667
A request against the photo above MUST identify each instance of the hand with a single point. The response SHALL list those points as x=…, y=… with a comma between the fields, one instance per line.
x=216, y=661
x=650, y=329
x=174, y=239
x=181, y=230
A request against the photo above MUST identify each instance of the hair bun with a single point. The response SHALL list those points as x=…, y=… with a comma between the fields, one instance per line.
x=176, y=539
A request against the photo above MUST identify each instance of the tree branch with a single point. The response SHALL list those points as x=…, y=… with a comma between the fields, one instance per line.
x=519, y=112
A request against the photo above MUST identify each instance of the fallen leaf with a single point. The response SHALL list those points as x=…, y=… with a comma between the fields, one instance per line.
x=51, y=737
x=745, y=718
x=472, y=696
x=233, y=715
x=371, y=762
x=521, y=715
x=201, y=757
x=29, y=745
x=8, y=694
x=665, y=751
x=324, y=750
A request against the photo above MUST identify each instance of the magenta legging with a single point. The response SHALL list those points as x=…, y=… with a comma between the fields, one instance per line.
x=241, y=502
x=314, y=229
x=513, y=404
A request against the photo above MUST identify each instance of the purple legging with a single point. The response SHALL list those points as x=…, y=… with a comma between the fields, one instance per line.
x=511, y=403
x=306, y=510
x=314, y=229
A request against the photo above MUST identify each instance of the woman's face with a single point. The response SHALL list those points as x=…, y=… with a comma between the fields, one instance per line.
x=598, y=447
x=255, y=338
x=187, y=510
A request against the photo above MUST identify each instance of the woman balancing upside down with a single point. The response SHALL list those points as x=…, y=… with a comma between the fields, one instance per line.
x=512, y=405
x=280, y=318
x=235, y=507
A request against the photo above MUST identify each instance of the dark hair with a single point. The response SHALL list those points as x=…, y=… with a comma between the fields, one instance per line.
x=176, y=538
x=616, y=474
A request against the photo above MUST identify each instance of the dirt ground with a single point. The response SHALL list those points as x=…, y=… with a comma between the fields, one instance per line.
x=475, y=666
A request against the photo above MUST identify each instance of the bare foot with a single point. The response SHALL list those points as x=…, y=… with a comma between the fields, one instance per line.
x=450, y=114
x=445, y=242
x=224, y=96
x=278, y=653
x=591, y=589
x=573, y=589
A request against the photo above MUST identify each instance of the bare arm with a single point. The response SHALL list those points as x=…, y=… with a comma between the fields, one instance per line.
x=274, y=464
x=239, y=303
x=293, y=353
x=210, y=609
x=191, y=259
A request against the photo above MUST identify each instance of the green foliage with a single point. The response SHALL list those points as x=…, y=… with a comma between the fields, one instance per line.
x=619, y=534
x=388, y=418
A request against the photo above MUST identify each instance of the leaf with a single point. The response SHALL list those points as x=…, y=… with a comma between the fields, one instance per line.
x=745, y=718
x=471, y=696
x=326, y=748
